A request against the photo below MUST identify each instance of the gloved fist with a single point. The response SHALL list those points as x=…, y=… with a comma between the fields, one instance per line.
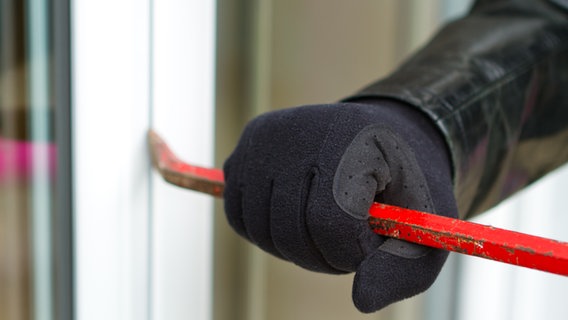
x=301, y=181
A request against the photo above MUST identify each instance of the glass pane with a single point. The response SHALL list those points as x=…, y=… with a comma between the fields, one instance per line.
x=28, y=151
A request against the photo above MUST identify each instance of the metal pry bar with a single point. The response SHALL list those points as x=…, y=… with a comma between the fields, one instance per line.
x=414, y=226
x=470, y=238
x=181, y=174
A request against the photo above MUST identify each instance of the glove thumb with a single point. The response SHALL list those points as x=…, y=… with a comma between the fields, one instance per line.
x=395, y=271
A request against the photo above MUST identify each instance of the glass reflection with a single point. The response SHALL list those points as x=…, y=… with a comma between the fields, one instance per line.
x=27, y=161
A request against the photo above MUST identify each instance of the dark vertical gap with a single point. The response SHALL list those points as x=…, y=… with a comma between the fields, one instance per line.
x=63, y=241
x=234, y=37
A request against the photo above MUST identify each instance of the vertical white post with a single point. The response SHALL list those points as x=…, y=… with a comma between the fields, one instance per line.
x=143, y=248
x=111, y=110
x=183, y=78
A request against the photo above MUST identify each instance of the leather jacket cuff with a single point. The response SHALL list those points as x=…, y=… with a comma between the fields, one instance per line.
x=494, y=83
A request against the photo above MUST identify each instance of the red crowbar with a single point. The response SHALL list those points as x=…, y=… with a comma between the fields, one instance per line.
x=413, y=226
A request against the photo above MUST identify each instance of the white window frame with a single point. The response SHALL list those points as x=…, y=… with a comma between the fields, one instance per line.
x=143, y=249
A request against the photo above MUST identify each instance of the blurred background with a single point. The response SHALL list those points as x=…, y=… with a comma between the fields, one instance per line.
x=278, y=54
x=89, y=231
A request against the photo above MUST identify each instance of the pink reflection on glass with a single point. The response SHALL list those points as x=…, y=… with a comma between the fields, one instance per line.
x=17, y=162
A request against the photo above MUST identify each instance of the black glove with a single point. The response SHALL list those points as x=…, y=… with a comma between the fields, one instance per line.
x=301, y=181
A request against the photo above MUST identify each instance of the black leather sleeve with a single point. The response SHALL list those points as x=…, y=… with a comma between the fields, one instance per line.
x=496, y=84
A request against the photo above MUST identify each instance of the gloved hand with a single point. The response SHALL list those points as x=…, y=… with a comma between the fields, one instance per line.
x=301, y=181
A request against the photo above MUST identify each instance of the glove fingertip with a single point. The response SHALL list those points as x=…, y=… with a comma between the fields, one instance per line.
x=383, y=278
x=367, y=297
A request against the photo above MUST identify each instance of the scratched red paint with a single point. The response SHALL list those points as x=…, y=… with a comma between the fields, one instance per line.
x=471, y=238
x=413, y=226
